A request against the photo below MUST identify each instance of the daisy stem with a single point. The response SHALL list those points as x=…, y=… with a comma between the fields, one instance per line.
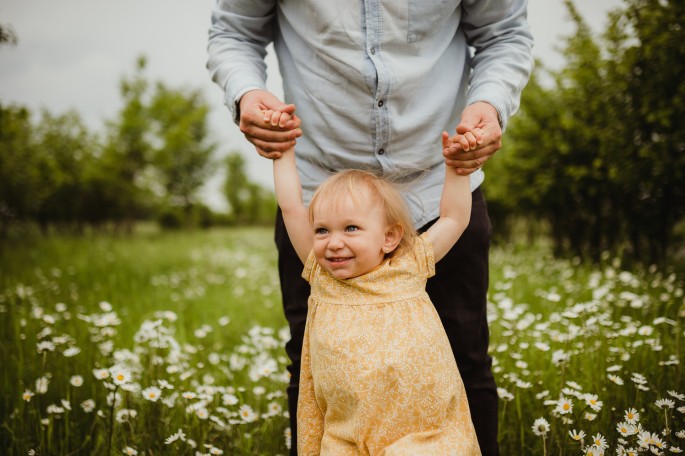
x=544, y=446
x=111, y=421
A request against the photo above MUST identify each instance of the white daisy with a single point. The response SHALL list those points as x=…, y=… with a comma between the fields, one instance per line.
x=76, y=380
x=152, y=393
x=540, y=427
x=665, y=403
x=130, y=451
x=632, y=416
x=27, y=395
x=564, y=405
x=577, y=435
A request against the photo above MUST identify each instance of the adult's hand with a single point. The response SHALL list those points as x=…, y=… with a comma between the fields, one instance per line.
x=269, y=140
x=477, y=115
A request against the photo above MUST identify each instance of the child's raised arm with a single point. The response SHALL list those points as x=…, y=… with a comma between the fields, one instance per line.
x=455, y=203
x=289, y=197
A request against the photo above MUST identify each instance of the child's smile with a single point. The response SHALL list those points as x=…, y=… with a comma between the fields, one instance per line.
x=349, y=239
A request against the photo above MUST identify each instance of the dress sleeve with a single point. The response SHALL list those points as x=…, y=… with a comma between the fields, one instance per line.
x=423, y=252
x=310, y=266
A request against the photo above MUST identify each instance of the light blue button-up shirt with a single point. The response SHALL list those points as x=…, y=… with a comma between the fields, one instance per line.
x=375, y=82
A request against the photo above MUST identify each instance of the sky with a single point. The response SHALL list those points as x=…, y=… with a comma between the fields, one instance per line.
x=71, y=54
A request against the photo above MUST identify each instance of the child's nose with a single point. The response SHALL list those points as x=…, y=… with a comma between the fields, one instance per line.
x=335, y=242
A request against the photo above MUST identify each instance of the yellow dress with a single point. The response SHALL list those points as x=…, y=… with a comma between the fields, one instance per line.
x=378, y=375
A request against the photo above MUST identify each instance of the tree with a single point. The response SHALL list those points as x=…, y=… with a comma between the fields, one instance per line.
x=599, y=155
x=181, y=154
x=21, y=192
x=67, y=150
x=249, y=202
x=7, y=34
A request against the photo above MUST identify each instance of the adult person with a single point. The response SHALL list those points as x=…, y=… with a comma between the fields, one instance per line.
x=374, y=84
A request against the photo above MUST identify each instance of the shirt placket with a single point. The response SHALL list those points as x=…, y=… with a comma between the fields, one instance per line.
x=380, y=119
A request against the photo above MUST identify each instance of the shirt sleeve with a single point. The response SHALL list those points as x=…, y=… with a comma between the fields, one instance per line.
x=239, y=33
x=423, y=252
x=310, y=266
x=498, y=31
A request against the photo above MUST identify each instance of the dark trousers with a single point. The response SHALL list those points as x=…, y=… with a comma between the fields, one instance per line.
x=459, y=292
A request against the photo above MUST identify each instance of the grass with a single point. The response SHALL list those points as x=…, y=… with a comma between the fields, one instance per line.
x=194, y=321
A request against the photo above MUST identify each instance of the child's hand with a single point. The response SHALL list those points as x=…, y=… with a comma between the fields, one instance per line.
x=276, y=118
x=467, y=141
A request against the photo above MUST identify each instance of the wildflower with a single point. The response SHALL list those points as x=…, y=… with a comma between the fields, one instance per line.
x=202, y=413
x=247, y=414
x=626, y=429
x=540, y=427
x=577, y=435
x=644, y=439
x=665, y=403
x=76, y=380
x=125, y=415
x=574, y=385
x=45, y=345
x=152, y=393
x=42, y=385
x=259, y=390
x=130, y=451
x=680, y=434
x=188, y=395
x=274, y=408
x=101, y=374
x=215, y=450
x=591, y=400
x=229, y=399
x=120, y=376
x=55, y=409
x=632, y=416
x=71, y=352
x=594, y=451
x=164, y=384
x=675, y=449
x=680, y=397
x=88, y=405
x=638, y=379
x=616, y=379
x=28, y=394
x=600, y=442
x=590, y=416
x=288, y=437
x=657, y=442
x=504, y=394
x=66, y=404
x=564, y=405
x=173, y=437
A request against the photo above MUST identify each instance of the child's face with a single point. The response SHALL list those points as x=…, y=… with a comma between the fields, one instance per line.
x=350, y=238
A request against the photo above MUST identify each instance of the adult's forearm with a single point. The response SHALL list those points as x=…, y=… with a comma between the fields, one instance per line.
x=238, y=36
x=503, y=60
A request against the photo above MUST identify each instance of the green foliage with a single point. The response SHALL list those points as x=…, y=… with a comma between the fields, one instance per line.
x=182, y=157
x=154, y=158
x=599, y=155
x=249, y=202
x=20, y=192
x=201, y=311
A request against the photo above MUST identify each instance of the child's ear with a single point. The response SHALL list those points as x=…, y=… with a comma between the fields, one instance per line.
x=393, y=236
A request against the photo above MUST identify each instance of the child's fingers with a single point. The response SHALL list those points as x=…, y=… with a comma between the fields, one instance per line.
x=445, y=140
x=266, y=115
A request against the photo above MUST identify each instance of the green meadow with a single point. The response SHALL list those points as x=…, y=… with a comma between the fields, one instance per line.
x=172, y=343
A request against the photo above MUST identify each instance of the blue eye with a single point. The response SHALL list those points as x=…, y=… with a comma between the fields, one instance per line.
x=320, y=231
x=351, y=228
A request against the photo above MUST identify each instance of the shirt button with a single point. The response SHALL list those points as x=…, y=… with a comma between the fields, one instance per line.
x=380, y=104
x=373, y=50
x=381, y=151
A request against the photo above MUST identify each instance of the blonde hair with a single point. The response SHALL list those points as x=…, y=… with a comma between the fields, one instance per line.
x=358, y=186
